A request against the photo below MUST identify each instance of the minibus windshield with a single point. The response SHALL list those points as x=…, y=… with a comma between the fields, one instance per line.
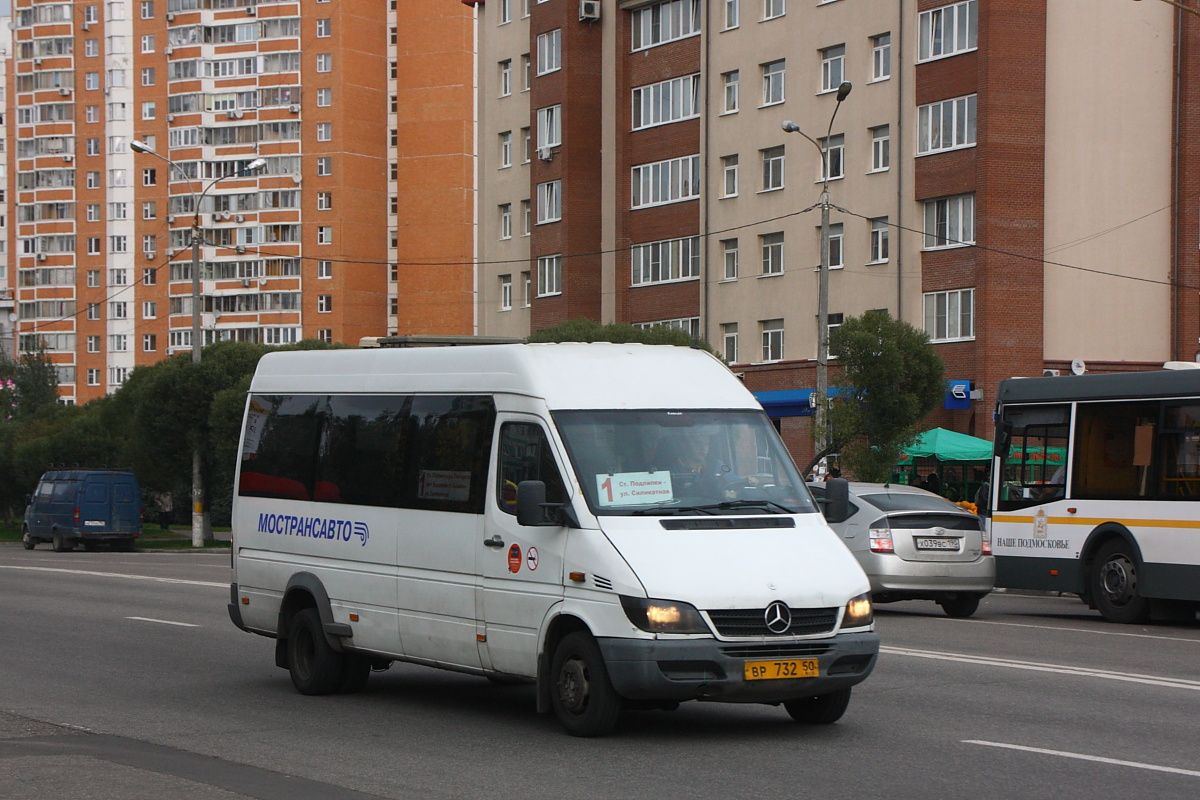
x=682, y=462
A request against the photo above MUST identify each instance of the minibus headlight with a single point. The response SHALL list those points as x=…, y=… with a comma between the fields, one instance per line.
x=663, y=616
x=858, y=612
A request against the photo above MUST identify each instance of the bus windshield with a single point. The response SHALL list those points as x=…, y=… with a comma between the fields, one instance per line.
x=687, y=461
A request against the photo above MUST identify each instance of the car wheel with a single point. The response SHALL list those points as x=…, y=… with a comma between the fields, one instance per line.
x=960, y=606
x=60, y=543
x=27, y=541
x=1113, y=584
x=315, y=667
x=356, y=670
x=583, y=697
x=823, y=709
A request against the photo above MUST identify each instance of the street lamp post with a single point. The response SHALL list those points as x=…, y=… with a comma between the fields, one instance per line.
x=199, y=514
x=820, y=434
x=1182, y=7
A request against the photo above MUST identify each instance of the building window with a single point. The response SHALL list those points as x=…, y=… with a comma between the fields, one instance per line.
x=948, y=30
x=324, y=269
x=149, y=343
x=324, y=234
x=118, y=310
x=881, y=145
x=324, y=303
x=150, y=276
x=527, y=144
x=729, y=80
x=324, y=62
x=729, y=250
x=549, y=275
x=93, y=146
x=149, y=109
x=150, y=309
x=93, y=311
x=946, y=125
x=506, y=149
x=732, y=14
x=879, y=240
x=117, y=276
x=549, y=127
x=118, y=244
x=506, y=77
x=772, y=339
x=689, y=325
x=147, y=9
x=832, y=323
x=93, y=212
x=774, y=8
x=506, y=221
x=881, y=57
x=324, y=28
x=950, y=221
x=324, y=98
x=729, y=342
x=836, y=251
x=549, y=202
x=148, y=43
x=505, y=11
x=729, y=169
x=526, y=217
x=149, y=245
x=666, y=101
x=950, y=316
x=549, y=51
x=325, y=335
x=833, y=67
x=92, y=113
x=772, y=168
x=93, y=344
x=91, y=48
x=93, y=377
x=150, y=176
x=324, y=131
x=527, y=281
x=665, y=261
x=525, y=72
x=772, y=253
x=506, y=292
x=148, y=76
x=93, y=246
x=324, y=166
x=671, y=181
x=324, y=201
x=772, y=76
x=665, y=22
x=835, y=148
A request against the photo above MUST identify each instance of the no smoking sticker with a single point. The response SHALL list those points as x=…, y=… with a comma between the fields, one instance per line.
x=531, y=558
x=514, y=559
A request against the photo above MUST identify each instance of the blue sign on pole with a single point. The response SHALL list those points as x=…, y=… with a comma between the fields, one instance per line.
x=958, y=395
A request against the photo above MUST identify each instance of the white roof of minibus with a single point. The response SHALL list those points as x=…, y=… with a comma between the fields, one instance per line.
x=569, y=375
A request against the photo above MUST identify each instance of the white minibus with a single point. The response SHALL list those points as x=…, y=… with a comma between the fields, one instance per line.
x=619, y=524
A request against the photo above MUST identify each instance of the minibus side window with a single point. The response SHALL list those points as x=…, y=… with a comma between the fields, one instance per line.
x=280, y=447
x=525, y=455
x=45, y=491
x=448, y=444
x=1034, y=470
x=359, y=455
x=64, y=491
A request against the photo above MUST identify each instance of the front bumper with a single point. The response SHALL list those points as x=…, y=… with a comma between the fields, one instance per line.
x=707, y=669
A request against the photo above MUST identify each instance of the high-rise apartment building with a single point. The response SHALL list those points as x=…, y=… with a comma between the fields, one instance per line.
x=367, y=170
x=1019, y=179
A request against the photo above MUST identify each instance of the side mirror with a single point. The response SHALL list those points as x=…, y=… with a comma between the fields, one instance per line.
x=837, y=500
x=1004, y=439
x=530, y=497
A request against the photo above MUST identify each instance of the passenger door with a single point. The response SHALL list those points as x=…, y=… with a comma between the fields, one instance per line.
x=39, y=513
x=520, y=567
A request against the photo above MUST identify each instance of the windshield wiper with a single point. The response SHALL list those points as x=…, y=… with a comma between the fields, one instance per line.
x=673, y=510
x=765, y=504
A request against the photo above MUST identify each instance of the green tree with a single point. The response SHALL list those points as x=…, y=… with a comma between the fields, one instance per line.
x=894, y=380
x=28, y=385
x=587, y=330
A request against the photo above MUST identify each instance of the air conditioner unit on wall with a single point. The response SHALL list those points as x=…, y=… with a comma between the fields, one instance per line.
x=64, y=91
x=589, y=10
x=170, y=16
x=1051, y=373
x=545, y=153
x=294, y=108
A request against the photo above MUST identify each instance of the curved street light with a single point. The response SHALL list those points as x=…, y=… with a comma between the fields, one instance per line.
x=199, y=526
x=820, y=433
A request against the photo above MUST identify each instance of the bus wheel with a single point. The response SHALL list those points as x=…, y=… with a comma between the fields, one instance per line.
x=824, y=709
x=1114, y=584
x=26, y=541
x=314, y=666
x=584, y=700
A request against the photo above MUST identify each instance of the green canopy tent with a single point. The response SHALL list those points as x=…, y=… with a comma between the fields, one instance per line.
x=948, y=454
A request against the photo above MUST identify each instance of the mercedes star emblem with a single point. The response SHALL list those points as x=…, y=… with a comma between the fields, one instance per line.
x=778, y=617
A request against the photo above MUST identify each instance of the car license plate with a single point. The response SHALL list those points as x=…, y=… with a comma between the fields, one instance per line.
x=788, y=668
x=937, y=544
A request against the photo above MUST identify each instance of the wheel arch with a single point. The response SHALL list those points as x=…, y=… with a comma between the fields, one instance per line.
x=557, y=629
x=1101, y=535
x=304, y=590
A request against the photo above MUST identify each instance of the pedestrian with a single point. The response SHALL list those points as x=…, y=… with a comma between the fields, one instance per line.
x=165, y=506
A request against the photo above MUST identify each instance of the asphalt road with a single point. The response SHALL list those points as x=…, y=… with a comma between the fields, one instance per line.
x=123, y=678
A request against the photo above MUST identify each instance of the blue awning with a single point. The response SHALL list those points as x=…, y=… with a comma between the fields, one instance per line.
x=792, y=402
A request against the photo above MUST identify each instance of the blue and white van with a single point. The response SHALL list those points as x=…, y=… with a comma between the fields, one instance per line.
x=84, y=507
x=619, y=524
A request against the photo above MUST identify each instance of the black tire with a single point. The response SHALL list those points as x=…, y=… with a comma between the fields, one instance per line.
x=315, y=667
x=960, y=606
x=823, y=709
x=1113, y=584
x=356, y=670
x=583, y=697
x=61, y=544
x=27, y=541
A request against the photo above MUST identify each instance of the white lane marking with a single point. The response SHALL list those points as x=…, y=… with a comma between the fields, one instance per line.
x=1034, y=666
x=164, y=622
x=116, y=575
x=1072, y=630
x=1083, y=757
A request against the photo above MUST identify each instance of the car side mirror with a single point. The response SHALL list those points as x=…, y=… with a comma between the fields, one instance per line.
x=837, y=500
x=534, y=511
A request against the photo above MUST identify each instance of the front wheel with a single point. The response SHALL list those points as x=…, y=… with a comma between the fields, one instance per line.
x=315, y=667
x=959, y=606
x=583, y=697
x=823, y=709
x=27, y=541
x=1113, y=583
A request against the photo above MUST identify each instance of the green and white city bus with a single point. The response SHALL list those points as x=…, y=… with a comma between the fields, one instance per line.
x=1095, y=489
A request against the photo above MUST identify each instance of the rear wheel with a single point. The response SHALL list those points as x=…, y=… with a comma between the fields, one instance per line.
x=1113, y=584
x=27, y=541
x=61, y=543
x=584, y=699
x=315, y=667
x=960, y=606
x=823, y=709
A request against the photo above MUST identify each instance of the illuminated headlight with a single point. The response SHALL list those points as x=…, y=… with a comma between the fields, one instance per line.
x=663, y=616
x=858, y=612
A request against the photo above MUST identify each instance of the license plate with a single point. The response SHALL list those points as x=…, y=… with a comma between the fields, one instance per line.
x=937, y=544
x=788, y=668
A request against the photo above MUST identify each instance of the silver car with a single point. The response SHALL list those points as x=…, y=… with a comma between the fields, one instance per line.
x=915, y=545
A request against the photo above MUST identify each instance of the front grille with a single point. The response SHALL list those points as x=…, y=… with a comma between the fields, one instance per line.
x=743, y=622
x=799, y=650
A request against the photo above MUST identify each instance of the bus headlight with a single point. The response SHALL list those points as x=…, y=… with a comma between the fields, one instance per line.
x=663, y=616
x=858, y=612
